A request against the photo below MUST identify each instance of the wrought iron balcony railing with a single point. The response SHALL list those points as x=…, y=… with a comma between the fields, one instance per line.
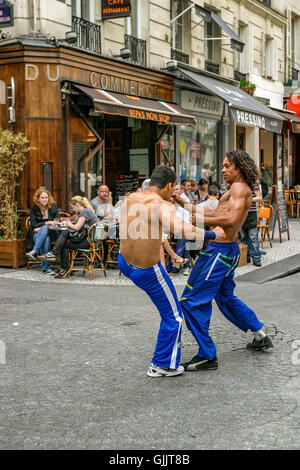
x=180, y=56
x=88, y=34
x=295, y=74
x=212, y=67
x=137, y=48
x=239, y=76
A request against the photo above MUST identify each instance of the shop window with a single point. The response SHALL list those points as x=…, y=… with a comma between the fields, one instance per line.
x=198, y=149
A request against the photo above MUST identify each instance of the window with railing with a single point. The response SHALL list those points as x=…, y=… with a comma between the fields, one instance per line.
x=239, y=75
x=180, y=56
x=212, y=47
x=137, y=48
x=180, y=31
x=295, y=73
x=88, y=34
x=267, y=2
x=212, y=67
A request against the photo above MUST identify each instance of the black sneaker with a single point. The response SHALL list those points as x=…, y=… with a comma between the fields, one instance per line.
x=201, y=363
x=257, y=263
x=264, y=343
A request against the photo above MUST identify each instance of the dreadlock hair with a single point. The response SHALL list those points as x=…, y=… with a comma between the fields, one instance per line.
x=246, y=165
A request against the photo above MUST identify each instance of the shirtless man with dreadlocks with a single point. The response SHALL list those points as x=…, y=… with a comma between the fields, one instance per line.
x=213, y=273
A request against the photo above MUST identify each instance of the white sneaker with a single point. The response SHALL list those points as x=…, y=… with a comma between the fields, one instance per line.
x=50, y=272
x=156, y=371
x=186, y=271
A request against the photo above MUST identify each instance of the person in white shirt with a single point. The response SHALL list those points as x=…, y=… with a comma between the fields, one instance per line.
x=211, y=202
x=184, y=215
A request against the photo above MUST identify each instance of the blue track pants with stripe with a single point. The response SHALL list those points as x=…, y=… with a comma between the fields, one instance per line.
x=157, y=284
x=212, y=278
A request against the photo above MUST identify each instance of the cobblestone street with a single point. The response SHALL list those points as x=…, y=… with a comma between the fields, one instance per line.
x=76, y=361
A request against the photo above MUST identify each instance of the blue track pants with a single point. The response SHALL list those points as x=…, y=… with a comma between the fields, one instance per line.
x=157, y=284
x=212, y=278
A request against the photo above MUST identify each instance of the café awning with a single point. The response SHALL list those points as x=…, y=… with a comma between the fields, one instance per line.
x=292, y=118
x=109, y=102
x=244, y=108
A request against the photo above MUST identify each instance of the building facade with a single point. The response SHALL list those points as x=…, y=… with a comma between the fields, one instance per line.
x=169, y=79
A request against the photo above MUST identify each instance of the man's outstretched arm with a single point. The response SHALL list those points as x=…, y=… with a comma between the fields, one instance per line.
x=236, y=208
x=183, y=229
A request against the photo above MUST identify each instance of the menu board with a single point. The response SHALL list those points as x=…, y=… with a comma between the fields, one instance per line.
x=278, y=203
x=127, y=182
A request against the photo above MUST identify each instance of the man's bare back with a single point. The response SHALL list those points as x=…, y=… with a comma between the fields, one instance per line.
x=137, y=214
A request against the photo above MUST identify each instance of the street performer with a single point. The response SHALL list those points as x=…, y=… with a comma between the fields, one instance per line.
x=144, y=215
x=213, y=273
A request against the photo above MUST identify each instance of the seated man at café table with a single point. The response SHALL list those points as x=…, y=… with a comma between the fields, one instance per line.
x=102, y=203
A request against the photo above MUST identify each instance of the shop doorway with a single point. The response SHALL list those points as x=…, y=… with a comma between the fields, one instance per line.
x=268, y=162
x=240, y=138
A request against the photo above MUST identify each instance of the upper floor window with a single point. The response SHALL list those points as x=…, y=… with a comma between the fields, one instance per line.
x=180, y=30
x=212, y=45
x=83, y=9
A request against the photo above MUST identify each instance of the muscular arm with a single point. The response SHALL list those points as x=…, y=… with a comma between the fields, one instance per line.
x=175, y=225
x=238, y=204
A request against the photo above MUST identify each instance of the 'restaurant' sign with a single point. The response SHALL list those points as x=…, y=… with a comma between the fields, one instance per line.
x=256, y=120
x=115, y=9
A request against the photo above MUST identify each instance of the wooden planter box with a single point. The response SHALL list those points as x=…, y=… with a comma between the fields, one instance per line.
x=12, y=253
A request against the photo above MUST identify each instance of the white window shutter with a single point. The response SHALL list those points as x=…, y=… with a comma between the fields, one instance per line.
x=289, y=34
x=274, y=59
x=249, y=50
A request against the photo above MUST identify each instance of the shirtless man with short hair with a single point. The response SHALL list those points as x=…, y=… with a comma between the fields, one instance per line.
x=143, y=217
x=212, y=275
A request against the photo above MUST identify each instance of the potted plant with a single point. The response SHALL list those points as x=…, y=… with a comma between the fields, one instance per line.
x=244, y=84
x=252, y=88
x=13, y=150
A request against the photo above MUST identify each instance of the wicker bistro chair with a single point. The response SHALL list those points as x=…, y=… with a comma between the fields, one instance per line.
x=89, y=259
x=264, y=216
x=113, y=246
x=291, y=202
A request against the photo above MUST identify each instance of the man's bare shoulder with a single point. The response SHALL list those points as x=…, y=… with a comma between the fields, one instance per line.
x=144, y=197
x=239, y=189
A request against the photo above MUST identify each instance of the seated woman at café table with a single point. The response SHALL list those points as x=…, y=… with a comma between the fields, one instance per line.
x=86, y=216
x=42, y=215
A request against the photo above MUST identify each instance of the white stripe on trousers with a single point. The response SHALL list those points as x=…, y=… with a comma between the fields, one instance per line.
x=172, y=301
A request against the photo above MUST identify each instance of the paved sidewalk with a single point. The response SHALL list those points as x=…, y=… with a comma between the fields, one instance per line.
x=278, y=252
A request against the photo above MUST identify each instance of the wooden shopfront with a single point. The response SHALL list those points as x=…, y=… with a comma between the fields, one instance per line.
x=87, y=117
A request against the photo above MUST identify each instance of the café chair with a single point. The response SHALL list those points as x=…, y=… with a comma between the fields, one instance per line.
x=264, y=216
x=89, y=259
x=290, y=201
x=63, y=215
x=112, y=246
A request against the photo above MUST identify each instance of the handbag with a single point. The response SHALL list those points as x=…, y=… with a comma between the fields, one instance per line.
x=77, y=236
